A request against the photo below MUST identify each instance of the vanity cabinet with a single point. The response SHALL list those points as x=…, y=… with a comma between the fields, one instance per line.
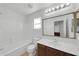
x=48, y=51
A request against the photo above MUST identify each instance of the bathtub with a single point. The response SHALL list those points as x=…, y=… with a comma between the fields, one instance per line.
x=14, y=49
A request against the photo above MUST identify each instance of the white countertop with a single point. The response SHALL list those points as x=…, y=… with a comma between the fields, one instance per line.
x=64, y=44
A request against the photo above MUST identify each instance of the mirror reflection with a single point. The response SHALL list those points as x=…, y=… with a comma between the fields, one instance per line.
x=60, y=26
x=77, y=29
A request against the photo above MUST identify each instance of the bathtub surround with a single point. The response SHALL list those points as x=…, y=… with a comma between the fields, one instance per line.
x=14, y=32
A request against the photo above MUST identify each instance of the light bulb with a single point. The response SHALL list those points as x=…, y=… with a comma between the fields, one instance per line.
x=57, y=7
x=53, y=9
x=49, y=10
x=67, y=4
x=62, y=5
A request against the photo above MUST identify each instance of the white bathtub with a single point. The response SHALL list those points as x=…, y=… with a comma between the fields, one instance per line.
x=14, y=49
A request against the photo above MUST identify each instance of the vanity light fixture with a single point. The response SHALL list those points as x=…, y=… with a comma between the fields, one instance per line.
x=56, y=8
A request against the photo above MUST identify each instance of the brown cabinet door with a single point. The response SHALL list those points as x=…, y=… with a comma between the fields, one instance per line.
x=48, y=51
x=41, y=50
x=54, y=52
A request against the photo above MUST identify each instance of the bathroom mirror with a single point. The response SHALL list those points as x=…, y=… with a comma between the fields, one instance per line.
x=60, y=26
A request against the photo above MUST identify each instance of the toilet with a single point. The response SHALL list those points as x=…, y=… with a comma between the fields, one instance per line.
x=32, y=47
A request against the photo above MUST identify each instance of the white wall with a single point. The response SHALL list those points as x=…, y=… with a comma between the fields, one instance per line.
x=34, y=32
x=12, y=27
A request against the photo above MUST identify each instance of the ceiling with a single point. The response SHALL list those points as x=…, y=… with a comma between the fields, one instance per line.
x=26, y=8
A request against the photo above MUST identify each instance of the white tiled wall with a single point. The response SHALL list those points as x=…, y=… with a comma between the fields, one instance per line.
x=12, y=28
